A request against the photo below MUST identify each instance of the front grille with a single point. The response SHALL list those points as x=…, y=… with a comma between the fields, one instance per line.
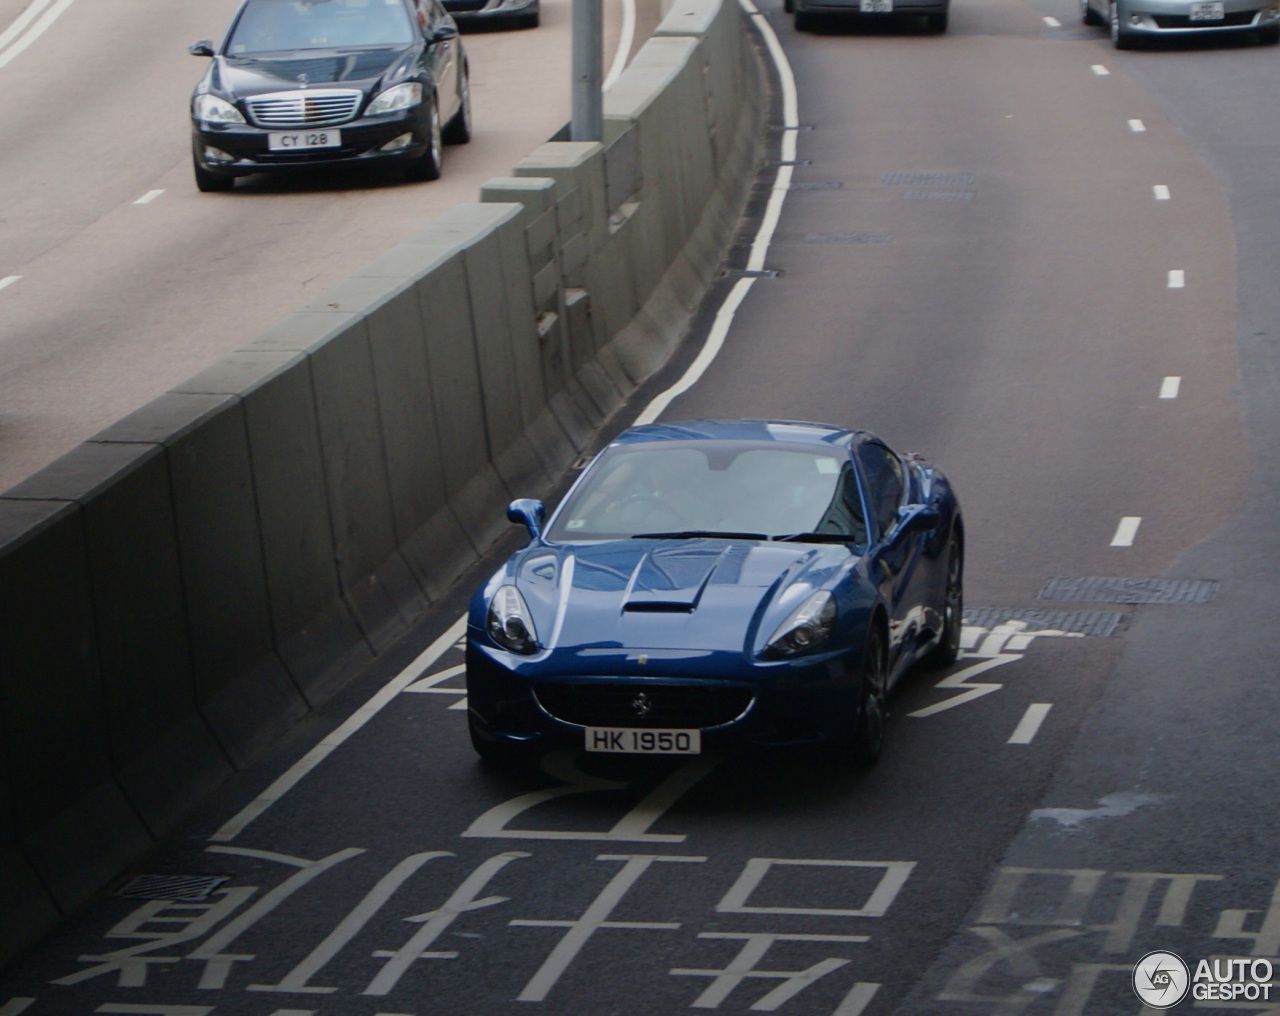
x=304, y=108
x=613, y=704
x=1233, y=19
x=465, y=6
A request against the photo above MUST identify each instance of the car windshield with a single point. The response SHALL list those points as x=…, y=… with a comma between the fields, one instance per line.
x=740, y=489
x=275, y=26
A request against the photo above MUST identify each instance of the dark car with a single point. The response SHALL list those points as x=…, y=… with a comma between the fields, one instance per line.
x=934, y=12
x=518, y=13
x=718, y=584
x=330, y=82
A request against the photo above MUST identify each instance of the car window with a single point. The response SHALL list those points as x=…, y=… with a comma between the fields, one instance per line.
x=270, y=26
x=429, y=14
x=882, y=473
x=719, y=486
x=844, y=514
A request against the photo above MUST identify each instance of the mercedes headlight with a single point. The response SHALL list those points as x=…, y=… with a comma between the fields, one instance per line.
x=510, y=623
x=393, y=99
x=211, y=109
x=811, y=623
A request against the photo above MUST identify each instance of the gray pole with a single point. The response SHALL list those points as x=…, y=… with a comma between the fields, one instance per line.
x=587, y=123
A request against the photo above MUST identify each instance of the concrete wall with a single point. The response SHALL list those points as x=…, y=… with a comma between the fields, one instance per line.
x=182, y=588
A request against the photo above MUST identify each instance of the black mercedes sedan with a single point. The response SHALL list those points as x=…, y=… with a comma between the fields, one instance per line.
x=330, y=82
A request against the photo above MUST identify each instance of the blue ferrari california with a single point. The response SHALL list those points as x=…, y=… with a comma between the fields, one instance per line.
x=718, y=585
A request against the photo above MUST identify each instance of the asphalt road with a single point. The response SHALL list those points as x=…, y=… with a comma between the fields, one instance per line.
x=989, y=285
x=116, y=301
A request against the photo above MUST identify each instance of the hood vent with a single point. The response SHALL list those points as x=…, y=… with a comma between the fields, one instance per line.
x=658, y=607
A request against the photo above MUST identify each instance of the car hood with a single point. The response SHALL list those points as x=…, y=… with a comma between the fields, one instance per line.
x=668, y=595
x=242, y=77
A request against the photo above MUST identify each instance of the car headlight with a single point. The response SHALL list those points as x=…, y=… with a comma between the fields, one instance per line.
x=211, y=109
x=393, y=99
x=811, y=623
x=510, y=623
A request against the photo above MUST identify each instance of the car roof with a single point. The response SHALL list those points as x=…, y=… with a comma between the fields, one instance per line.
x=783, y=431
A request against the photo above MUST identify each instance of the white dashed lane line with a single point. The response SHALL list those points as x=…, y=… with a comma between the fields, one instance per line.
x=1137, y=126
x=9, y=280
x=1029, y=725
x=1177, y=278
x=1126, y=531
x=148, y=197
x=1169, y=387
x=1161, y=192
x=1101, y=71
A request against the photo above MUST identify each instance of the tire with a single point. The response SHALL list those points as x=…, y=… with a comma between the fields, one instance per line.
x=1270, y=35
x=210, y=183
x=427, y=166
x=500, y=756
x=1089, y=16
x=789, y=6
x=804, y=21
x=1119, y=37
x=868, y=738
x=936, y=23
x=458, y=130
x=529, y=20
x=948, y=648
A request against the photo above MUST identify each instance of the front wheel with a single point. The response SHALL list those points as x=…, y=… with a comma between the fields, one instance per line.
x=1088, y=15
x=208, y=183
x=789, y=6
x=1119, y=37
x=427, y=166
x=804, y=21
x=868, y=741
x=936, y=23
x=1270, y=35
x=458, y=130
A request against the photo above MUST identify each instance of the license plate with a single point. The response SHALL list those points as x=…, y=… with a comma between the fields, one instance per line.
x=300, y=140
x=1210, y=10
x=630, y=741
x=875, y=6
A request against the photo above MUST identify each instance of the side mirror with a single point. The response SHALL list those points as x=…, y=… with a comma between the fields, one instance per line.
x=529, y=513
x=917, y=518
x=444, y=30
x=202, y=48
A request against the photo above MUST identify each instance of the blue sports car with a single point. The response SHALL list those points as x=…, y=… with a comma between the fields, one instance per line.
x=718, y=585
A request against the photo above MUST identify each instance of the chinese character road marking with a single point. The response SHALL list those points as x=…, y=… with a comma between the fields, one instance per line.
x=744, y=965
x=431, y=685
x=877, y=904
x=15, y=1006
x=1266, y=940
x=632, y=827
x=596, y=916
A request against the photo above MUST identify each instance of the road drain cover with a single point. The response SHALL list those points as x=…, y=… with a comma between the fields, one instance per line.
x=1095, y=623
x=846, y=238
x=1108, y=590
x=928, y=179
x=171, y=887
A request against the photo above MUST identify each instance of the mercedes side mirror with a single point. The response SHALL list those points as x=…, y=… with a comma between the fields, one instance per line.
x=202, y=48
x=443, y=31
x=530, y=513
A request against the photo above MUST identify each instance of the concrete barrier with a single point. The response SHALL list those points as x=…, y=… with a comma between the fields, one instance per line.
x=180, y=589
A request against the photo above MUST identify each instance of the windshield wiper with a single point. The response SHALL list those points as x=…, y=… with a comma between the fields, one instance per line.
x=817, y=538
x=697, y=534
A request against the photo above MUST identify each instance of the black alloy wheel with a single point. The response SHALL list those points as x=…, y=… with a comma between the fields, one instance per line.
x=948, y=648
x=868, y=739
x=208, y=182
x=458, y=130
x=427, y=166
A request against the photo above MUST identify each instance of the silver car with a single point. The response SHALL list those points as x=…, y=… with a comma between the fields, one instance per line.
x=1131, y=21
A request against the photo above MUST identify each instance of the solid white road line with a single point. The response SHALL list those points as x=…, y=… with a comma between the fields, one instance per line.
x=236, y=825
x=1100, y=70
x=715, y=339
x=9, y=280
x=1029, y=725
x=148, y=197
x=625, y=40
x=1161, y=192
x=37, y=30
x=1137, y=126
x=1052, y=22
x=1177, y=278
x=1169, y=387
x=6, y=37
x=1126, y=531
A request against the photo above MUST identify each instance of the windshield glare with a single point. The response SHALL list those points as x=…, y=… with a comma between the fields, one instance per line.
x=274, y=26
x=715, y=486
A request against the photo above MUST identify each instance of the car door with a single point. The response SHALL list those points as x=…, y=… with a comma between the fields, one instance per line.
x=440, y=55
x=896, y=553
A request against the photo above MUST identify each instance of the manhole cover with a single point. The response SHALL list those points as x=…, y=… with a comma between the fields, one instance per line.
x=927, y=179
x=1095, y=623
x=171, y=887
x=1108, y=590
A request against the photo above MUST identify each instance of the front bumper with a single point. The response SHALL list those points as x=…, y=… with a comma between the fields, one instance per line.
x=851, y=8
x=736, y=704
x=1171, y=18
x=247, y=151
x=478, y=11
